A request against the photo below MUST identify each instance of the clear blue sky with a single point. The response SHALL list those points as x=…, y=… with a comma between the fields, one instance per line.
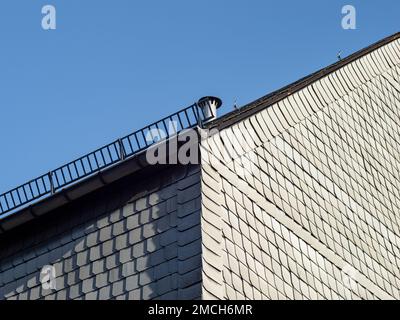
x=113, y=66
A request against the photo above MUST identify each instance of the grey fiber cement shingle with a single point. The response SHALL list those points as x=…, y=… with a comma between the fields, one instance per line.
x=315, y=170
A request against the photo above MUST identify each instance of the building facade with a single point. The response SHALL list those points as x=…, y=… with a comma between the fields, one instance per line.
x=295, y=196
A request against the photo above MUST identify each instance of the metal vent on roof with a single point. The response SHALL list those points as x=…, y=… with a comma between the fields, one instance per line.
x=209, y=105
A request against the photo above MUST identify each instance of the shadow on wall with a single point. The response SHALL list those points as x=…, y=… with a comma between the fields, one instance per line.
x=138, y=239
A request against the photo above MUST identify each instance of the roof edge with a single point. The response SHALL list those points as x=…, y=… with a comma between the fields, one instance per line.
x=93, y=183
x=272, y=98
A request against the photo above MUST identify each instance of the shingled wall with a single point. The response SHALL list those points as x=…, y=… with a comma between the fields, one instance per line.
x=139, y=239
x=305, y=204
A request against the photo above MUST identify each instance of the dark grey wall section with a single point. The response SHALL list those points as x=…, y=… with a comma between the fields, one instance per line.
x=138, y=239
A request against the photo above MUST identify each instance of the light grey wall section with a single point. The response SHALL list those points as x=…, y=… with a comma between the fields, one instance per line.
x=309, y=191
x=212, y=237
x=137, y=240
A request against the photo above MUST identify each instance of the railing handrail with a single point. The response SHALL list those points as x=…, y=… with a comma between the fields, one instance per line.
x=99, y=159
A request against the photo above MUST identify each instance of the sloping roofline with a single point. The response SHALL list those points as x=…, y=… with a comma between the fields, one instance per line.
x=139, y=163
x=280, y=94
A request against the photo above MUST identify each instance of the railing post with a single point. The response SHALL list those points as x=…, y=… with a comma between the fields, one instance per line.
x=122, y=154
x=199, y=121
x=52, y=189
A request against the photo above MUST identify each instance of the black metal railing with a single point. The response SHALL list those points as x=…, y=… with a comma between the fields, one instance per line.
x=102, y=158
